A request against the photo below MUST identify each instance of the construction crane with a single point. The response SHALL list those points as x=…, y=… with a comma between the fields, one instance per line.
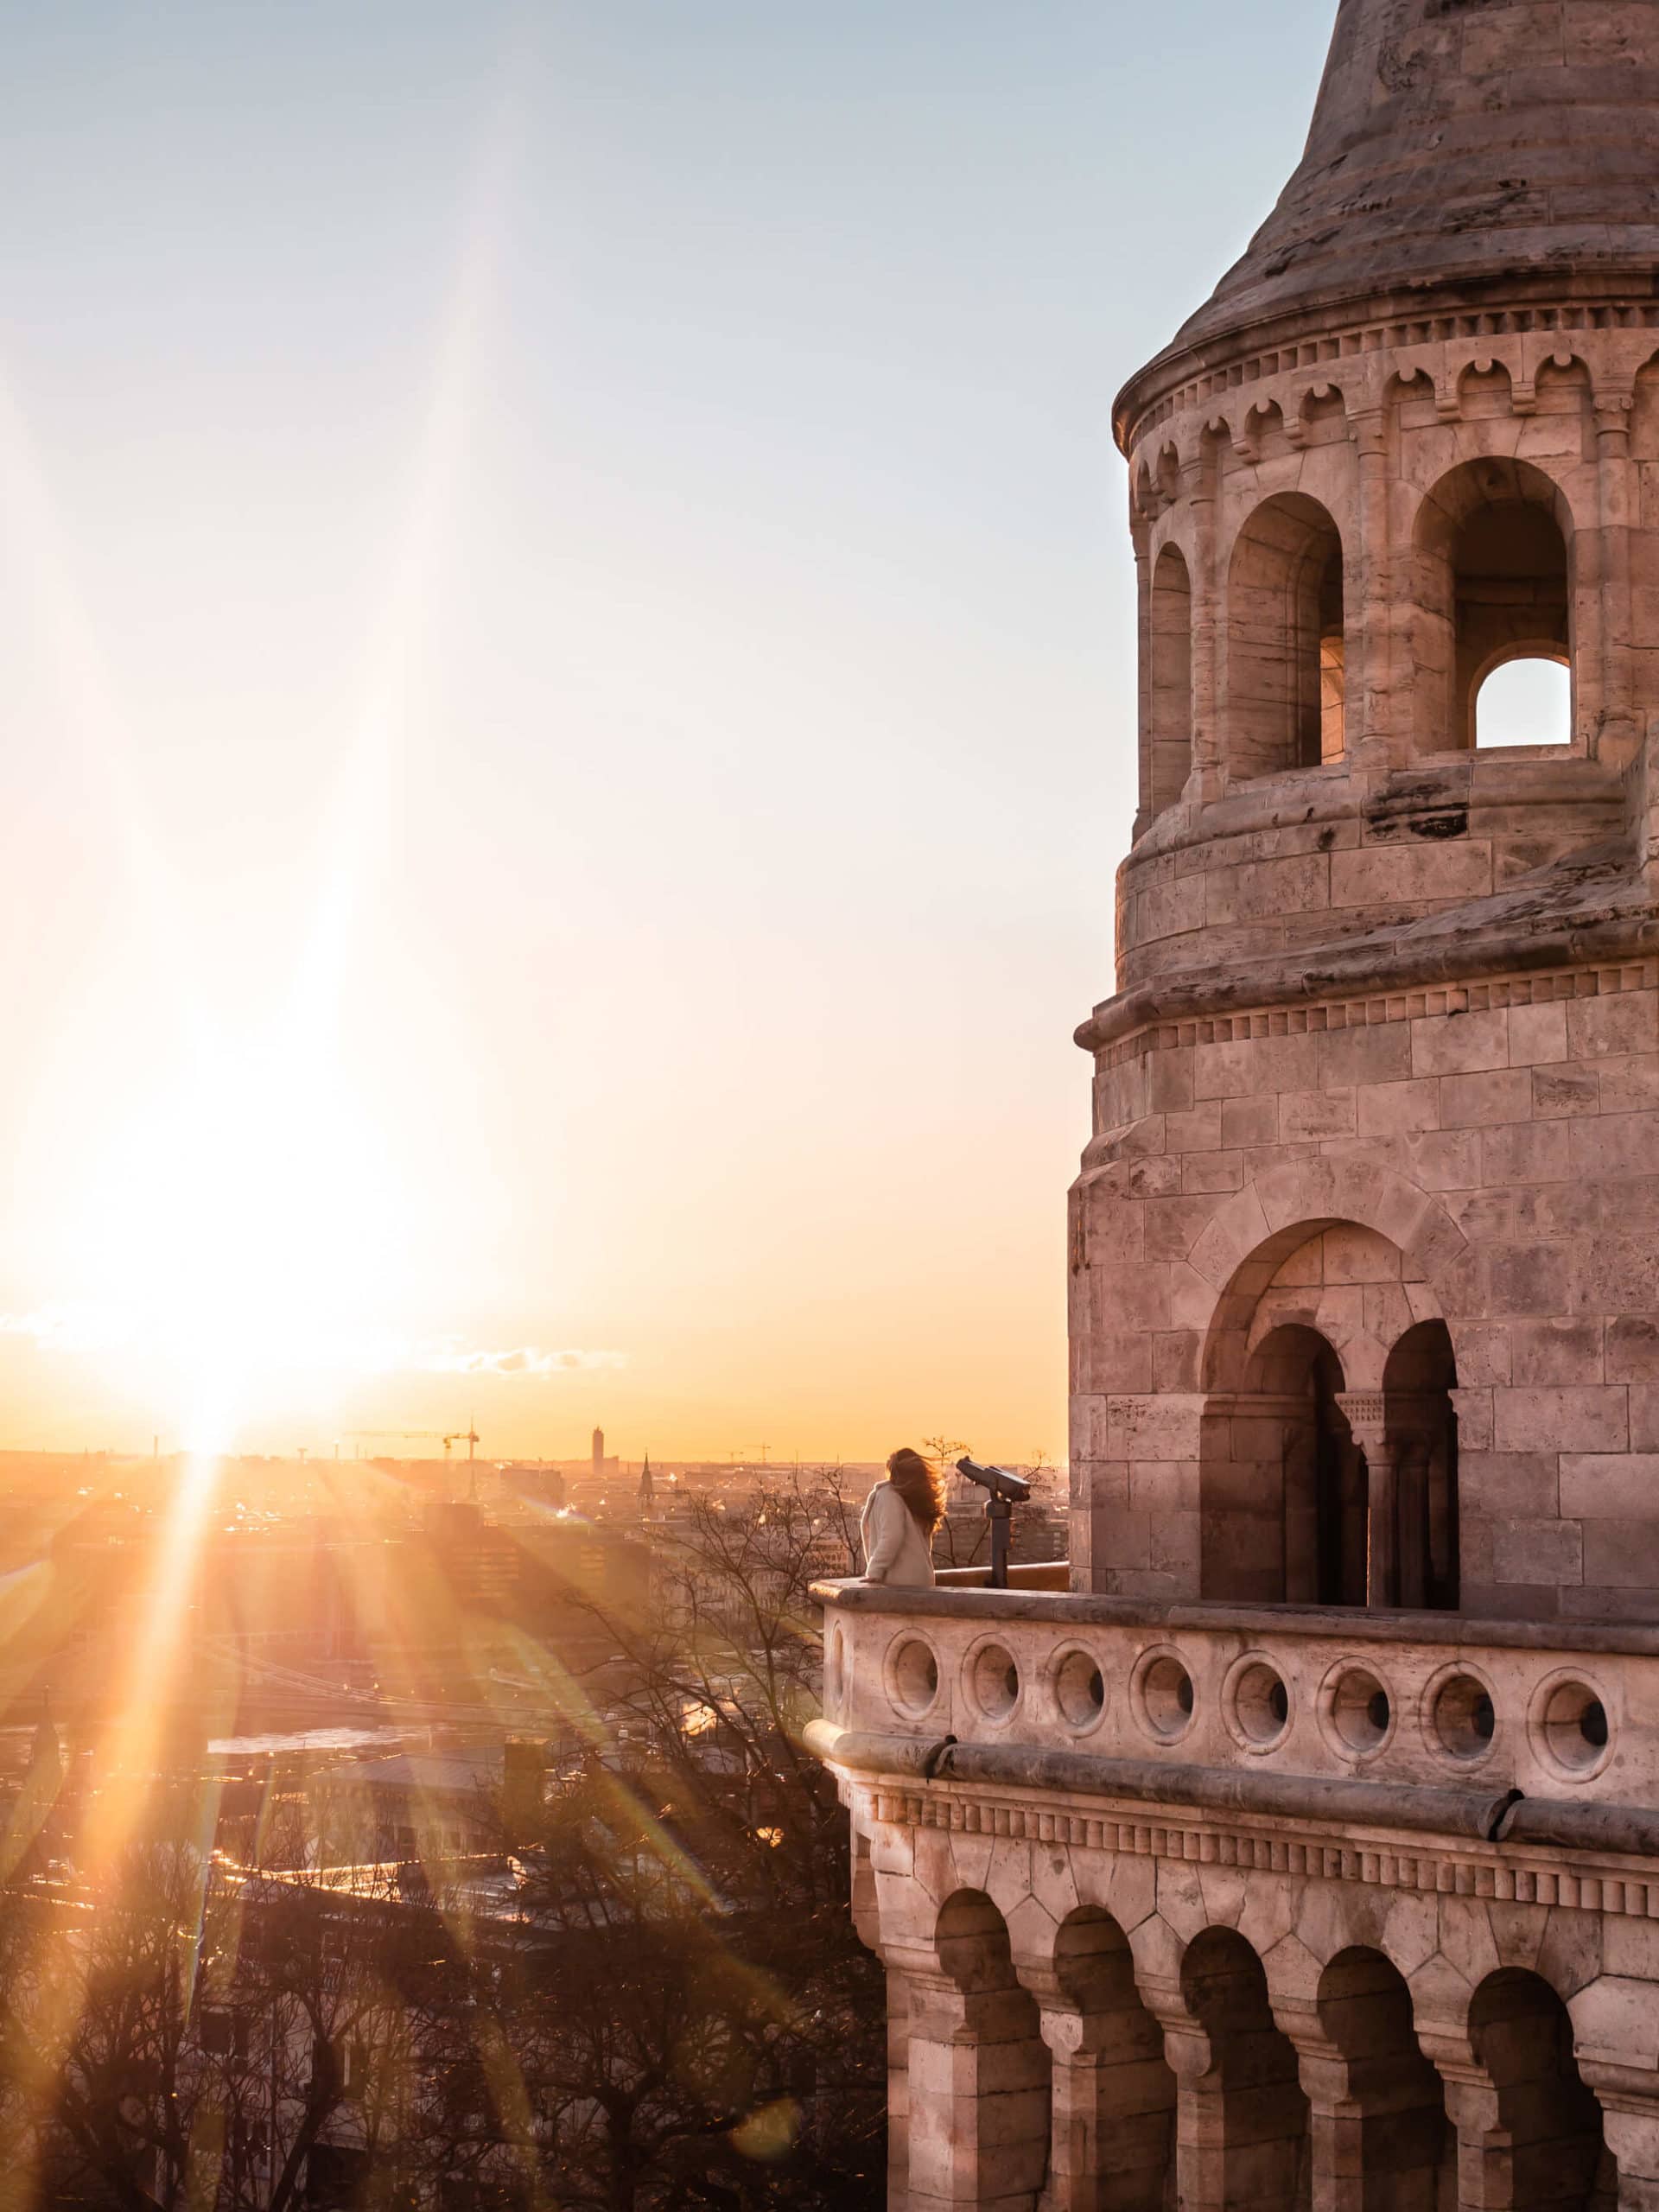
x=403, y=1435
x=468, y=1436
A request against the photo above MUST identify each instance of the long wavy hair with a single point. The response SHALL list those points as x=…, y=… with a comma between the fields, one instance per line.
x=921, y=1485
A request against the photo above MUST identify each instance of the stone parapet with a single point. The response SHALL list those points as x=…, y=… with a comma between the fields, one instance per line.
x=1403, y=1703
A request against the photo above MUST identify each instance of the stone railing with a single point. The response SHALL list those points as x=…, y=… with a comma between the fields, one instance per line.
x=1428, y=1701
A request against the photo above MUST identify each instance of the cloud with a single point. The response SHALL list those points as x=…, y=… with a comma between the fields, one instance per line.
x=525, y=1359
x=69, y=1328
x=88, y=1328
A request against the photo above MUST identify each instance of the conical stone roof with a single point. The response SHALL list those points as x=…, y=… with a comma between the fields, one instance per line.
x=1462, y=140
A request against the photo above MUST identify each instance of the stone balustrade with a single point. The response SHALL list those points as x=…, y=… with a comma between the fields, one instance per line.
x=1423, y=1700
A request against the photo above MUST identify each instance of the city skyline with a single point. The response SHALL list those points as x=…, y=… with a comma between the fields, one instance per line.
x=570, y=714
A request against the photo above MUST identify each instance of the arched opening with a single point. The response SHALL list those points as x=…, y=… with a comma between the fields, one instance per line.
x=1171, y=678
x=979, y=2069
x=1546, y=2150
x=1421, y=1426
x=1257, y=2125
x=1114, y=2141
x=1328, y=1470
x=1494, y=585
x=1527, y=699
x=1296, y=1381
x=1285, y=660
x=1406, y=2152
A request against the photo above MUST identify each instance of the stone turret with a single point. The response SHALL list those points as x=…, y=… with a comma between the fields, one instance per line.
x=1306, y=1852
x=1413, y=437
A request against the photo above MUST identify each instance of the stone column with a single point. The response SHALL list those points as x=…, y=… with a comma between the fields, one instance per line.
x=1336, y=2124
x=1366, y=1415
x=977, y=2098
x=1200, y=2175
x=1411, y=1476
x=1140, y=540
x=1619, y=733
x=1375, y=2124
x=1486, y=2144
x=1113, y=2132
x=1629, y=2097
x=898, y=2092
x=1199, y=489
x=1369, y=697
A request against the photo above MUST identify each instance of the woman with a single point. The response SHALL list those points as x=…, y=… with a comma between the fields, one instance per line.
x=900, y=1517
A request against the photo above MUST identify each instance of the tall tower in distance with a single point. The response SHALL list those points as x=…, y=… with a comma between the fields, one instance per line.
x=1305, y=1851
x=598, y=1453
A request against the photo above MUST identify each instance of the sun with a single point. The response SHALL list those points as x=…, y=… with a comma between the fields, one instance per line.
x=242, y=1242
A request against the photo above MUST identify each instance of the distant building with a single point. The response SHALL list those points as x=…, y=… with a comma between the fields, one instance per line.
x=412, y=1805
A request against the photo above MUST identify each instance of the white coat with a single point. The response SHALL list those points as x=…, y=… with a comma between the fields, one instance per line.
x=895, y=1550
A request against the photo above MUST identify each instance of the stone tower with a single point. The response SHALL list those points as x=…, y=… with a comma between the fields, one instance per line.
x=1305, y=1850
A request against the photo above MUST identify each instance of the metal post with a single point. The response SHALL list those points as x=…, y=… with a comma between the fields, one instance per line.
x=999, y=1514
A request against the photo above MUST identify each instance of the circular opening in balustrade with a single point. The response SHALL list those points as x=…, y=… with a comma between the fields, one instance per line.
x=1356, y=1711
x=913, y=1676
x=1079, y=1689
x=1462, y=1719
x=1256, y=1704
x=994, y=1681
x=1160, y=1693
x=1570, y=1727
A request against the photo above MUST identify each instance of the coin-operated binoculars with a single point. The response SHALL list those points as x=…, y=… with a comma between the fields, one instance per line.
x=1007, y=1490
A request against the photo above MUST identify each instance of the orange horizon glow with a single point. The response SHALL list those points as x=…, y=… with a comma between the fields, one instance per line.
x=558, y=834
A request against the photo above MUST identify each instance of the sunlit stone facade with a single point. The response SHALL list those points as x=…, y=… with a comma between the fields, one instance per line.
x=1306, y=1850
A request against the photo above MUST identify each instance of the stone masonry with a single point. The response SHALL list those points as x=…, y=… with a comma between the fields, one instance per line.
x=1305, y=1851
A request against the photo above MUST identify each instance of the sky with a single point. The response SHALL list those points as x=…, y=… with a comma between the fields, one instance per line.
x=565, y=700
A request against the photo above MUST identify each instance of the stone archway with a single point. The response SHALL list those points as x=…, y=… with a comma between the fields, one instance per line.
x=978, y=2073
x=1327, y=1446
x=1529, y=2130
x=1492, y=564
x=1420, y=1441
x=1244, y=2122
x=1284, y=639
x=1114, y=2094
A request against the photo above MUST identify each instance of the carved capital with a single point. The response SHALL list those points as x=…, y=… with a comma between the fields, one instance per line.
x=1366, y=1413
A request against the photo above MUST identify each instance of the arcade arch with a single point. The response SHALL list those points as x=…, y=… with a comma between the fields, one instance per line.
x=1170, y=679
x=1493, y=557
x=1284, y=699
x=1328, y=1450
x=1538, y=2138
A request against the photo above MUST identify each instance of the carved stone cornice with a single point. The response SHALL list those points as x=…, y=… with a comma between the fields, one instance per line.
x=1422, y=1864
x=1284, y=997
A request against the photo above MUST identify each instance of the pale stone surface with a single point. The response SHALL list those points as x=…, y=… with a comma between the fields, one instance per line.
x=1363, y=1255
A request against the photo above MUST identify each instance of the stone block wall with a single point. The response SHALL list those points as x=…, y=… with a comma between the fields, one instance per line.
x=1482, y=1157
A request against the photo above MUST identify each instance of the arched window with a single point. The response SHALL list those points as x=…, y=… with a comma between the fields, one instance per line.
x=1526, y=699
x=1285, y=660
x=1494, y=588
x=1306, y=1480
x=1328, y=1455
x=1421, y=1451
x=1171, y=678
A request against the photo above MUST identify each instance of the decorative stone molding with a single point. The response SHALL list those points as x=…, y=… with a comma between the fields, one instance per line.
x=1360, y=340
x=1489, y=1873
x=1319, y=1015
